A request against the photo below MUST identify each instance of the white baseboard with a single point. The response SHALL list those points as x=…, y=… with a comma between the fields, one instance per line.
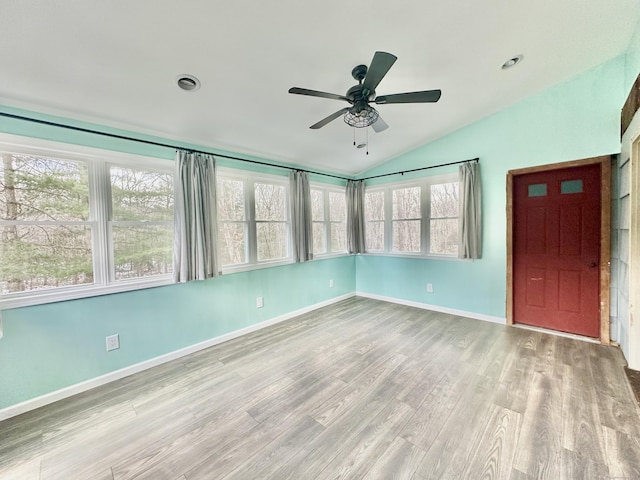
x=436, y=308
x=71, y=390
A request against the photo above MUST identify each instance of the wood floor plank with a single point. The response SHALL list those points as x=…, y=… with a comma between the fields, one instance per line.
x=398, y=462
x=453, y=447
x=581, y=429
x=171, y=459
x=492, y=455
x=310, y=461
x=359, y=389
x=622, y=454
x=353, y=460
x=97, y=450
x=282, y=448
x=436, y=408
x=539, y=451
x=20, y=469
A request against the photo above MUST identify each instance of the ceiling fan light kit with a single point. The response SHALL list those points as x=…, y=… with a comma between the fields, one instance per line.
x=363, y=118
x=361, y=114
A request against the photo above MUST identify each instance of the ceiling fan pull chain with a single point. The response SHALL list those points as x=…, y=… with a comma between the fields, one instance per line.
x=354, y=136
x=367, y=129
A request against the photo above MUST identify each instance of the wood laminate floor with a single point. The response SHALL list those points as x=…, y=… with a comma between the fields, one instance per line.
x=362, y=389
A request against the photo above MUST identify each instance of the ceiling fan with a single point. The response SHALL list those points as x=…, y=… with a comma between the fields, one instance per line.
x=360, y=114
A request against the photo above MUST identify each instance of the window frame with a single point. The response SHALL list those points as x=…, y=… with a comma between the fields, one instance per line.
x=326, y=190
x=249, y=179
x=97, y=161
x=424, y=184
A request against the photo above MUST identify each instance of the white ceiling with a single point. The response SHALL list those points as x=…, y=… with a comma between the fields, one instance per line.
x=116, y=62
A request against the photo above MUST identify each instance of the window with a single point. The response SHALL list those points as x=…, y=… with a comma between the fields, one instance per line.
x=413, y=218
x=46, y=230
x=406, y=219
x=329, y=219
x=141, y=222
x=232, y=224
x=272, y=227
x=253, y=219
x=374, y=220
x=74, y=225
x=443, y=228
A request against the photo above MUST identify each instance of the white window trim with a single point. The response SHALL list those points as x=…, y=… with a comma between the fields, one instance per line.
x=249, y=178
x=327, y=222
x=425, y=208
x=100, y=160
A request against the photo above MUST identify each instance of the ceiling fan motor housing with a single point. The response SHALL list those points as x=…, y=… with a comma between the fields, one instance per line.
x=359, y=72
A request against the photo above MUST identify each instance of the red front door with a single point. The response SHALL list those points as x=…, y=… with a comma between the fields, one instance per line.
x=556, y=250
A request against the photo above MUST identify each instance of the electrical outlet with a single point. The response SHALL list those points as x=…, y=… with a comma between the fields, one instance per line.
x=430, y=287
x=330, y=283
x=113, y=342
x=259, y=302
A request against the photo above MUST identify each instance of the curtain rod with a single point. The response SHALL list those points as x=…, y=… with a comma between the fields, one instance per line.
x=421, y=168
x=177, y=147
x=159, y=144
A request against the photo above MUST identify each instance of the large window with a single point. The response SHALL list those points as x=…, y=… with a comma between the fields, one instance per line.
x=253, y=219
x=141, y=222
x=329, y=219
x=74, y=224
x=413, y=218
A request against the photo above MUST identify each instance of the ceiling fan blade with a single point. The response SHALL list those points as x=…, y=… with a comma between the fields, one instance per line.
x=427, y=96
x=379, y=125
x=380, y=65
x=330, y=118
x=315, y=93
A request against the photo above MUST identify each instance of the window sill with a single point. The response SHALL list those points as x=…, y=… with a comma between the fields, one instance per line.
x=255, y=266
x=419, y=256
x=325, y=256
x=40, y=297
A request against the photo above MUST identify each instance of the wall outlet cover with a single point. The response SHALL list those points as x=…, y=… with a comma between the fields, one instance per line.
x=113, y=342
x=259, y=302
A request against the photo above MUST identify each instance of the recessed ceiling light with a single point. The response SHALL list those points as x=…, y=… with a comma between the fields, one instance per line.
x=188, y=83
x=512, y=62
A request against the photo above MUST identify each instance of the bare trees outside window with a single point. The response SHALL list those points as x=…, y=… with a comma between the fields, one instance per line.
x=46, y=232
x=443, y=229
x=420, y=217
x=329, y=219
x=253, y=219
x=338, y=221
x=318, y=224
x=374, y=220
x=71, y=223
x=406, y=220
x=232, y=222
x=141, y=222
x=271, y=221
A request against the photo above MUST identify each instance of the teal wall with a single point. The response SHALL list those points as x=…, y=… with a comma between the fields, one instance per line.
x=577, y=119
x=632, y=64
x=49, y=347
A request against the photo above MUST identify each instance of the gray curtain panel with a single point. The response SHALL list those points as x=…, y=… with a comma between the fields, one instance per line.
x=355, y=216
x=470, y=230
x=301, y=230
x=195, y=218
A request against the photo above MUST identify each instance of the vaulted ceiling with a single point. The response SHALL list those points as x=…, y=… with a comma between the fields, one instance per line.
x=116, y=63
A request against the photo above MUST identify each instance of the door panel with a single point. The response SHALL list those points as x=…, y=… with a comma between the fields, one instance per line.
x=556, y=233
